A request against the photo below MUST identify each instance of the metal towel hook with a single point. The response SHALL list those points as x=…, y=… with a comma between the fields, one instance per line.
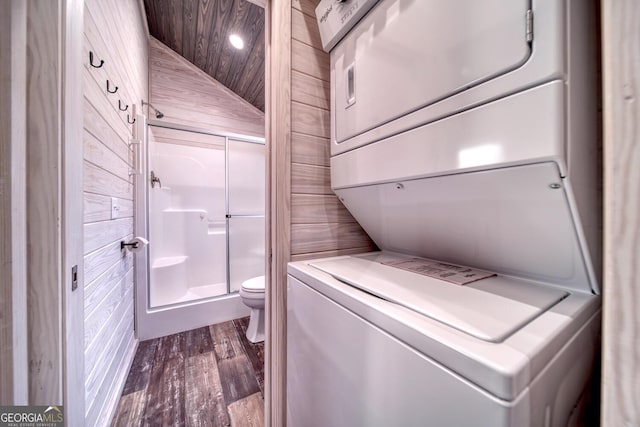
x=129, y=120
x=109, y=90
x=120, y=106
x=91, y=61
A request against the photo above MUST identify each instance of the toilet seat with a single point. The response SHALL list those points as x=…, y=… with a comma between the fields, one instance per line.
x=254, y=285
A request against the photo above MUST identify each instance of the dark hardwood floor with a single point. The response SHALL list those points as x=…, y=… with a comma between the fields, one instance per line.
x=212, y=376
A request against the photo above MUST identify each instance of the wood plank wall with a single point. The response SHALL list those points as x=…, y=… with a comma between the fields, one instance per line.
x=114, y=30
x=6, y=249
x=278, y=195
x=307, y=220
x=41, y=111
x=13, y=227
x=188, y=96
x=621, y=320
x=320, y=224
x=44, y=283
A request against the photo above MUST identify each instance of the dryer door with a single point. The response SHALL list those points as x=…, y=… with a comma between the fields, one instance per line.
x=405, y=55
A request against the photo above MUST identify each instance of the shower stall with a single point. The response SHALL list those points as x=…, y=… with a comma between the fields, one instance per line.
x=204, y=198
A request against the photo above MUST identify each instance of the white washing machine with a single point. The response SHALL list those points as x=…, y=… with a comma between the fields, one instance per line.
x=464, y=141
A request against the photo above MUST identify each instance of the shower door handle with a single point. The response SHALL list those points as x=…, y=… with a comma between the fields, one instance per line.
x=154, y=180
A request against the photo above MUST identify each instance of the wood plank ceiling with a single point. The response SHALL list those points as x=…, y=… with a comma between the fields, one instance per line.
x=199, y=31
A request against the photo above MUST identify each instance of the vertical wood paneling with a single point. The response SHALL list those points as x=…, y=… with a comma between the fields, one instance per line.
x=189, y=28
x=115, y=31
x=205, y=20
x=621, y=330
x=13, y=234
x=43, y=208
x=6, y=249
x=43, y=156
x=306, y=219
x=71, y=148
x=278, y=96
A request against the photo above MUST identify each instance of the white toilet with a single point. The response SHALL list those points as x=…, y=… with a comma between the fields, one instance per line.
x=252, y=294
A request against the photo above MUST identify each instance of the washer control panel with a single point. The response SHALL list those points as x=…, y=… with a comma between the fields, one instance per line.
x=337, y=17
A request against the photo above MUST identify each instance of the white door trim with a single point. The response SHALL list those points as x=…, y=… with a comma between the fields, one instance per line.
x=14, y=381
x=46, y=234
x=278, y=136
x=72, y=37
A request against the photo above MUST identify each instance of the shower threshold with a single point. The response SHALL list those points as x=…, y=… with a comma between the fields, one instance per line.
x=199, y=292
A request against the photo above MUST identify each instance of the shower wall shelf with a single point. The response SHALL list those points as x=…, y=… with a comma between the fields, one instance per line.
x=169, y=261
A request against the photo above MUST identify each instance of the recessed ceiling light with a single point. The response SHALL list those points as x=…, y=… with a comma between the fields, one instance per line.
x=236, y=41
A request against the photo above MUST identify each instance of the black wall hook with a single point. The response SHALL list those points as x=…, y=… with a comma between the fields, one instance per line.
x=109, y=90
x=91, y=61
x=126, y=106
x=129, y=120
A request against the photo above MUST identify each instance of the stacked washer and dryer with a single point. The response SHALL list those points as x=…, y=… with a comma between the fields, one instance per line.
x=464, y=141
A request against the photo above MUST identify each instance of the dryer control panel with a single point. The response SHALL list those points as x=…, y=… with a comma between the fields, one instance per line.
x=336, y=17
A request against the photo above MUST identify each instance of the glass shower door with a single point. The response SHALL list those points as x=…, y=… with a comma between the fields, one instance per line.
x=245, y=215
x=202, y=211
x=187, y=225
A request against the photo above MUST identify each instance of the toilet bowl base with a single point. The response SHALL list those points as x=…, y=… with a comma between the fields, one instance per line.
x=255, y=330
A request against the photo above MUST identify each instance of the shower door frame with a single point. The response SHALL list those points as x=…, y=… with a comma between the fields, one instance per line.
x=153, y=322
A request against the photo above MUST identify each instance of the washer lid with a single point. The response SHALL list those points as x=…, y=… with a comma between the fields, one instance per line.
x=488, y=309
